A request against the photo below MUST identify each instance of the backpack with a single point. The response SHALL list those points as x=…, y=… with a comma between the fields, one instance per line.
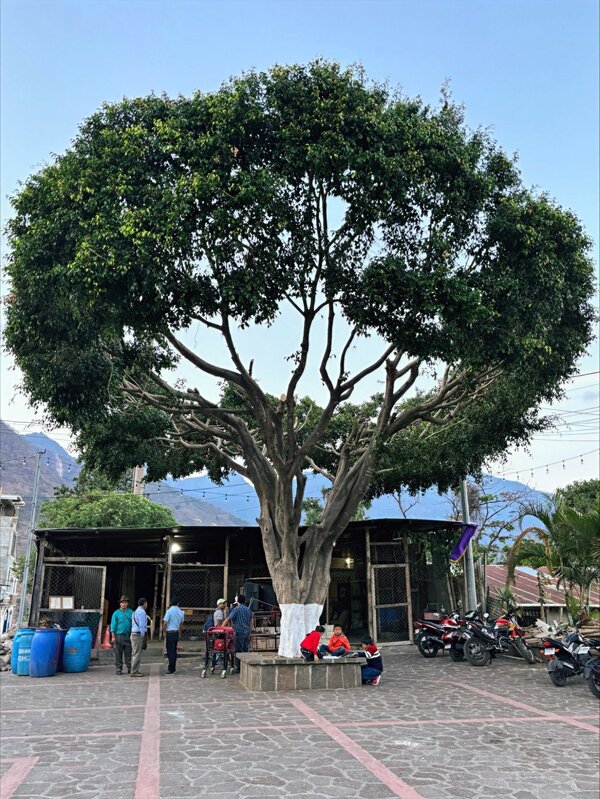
x=210, y=622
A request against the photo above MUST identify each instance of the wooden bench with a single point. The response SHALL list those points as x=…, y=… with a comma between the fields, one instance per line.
x=262, y=672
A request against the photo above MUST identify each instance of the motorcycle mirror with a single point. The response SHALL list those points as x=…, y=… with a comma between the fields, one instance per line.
x=486, y=615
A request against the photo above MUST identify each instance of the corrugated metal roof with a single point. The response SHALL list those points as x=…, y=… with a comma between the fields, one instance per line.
x=525, y=587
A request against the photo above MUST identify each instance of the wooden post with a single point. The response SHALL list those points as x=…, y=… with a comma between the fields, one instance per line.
x=408, y=588
x=38, y=583
x=166, y=571
x=543, y=614
x=372, y=614
x=226, y=567
x=102, y=589
x=169, y=574
x=484, y=585
x=154, y=604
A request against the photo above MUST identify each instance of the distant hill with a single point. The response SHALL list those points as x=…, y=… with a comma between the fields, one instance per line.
x=189, y=510
x=197, y=500
x=238, y=496
x=58, y=467
x=18, y=456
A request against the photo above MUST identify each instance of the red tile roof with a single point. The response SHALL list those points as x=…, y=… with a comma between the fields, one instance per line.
x=525, y=587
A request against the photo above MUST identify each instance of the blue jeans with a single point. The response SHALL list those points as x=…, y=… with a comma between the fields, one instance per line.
x=241, y=645
x=324, y=650
x=368, y=673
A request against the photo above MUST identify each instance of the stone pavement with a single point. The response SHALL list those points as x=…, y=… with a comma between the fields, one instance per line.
x=432, y=729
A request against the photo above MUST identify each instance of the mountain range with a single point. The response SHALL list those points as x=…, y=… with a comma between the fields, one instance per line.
x=197, y=500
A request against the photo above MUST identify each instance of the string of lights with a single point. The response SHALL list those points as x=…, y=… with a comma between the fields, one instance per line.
x=250, y=493
x=568, y=425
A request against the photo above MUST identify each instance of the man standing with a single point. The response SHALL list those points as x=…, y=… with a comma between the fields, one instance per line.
x=139, y=628
x=219, y=612
x=172, y=624
x=240, y=618
x=120, y=632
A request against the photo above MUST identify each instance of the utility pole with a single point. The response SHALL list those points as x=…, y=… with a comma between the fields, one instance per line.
x=34, y=501
x=138, y=477
x=469, y=566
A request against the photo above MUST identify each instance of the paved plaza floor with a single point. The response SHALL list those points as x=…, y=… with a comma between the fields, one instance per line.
x=432, y=729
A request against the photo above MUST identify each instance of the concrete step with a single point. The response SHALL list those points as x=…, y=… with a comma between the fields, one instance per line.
x=154, y=653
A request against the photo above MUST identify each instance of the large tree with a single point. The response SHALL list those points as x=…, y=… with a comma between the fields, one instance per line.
x=171, y=228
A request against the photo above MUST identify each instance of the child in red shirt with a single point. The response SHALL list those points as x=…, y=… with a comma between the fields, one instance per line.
x=309, y=646
x=371, y=672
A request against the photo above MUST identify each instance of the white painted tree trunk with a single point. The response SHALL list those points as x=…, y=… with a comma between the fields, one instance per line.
x=296, y=621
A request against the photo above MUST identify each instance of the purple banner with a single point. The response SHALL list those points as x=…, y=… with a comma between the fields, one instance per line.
x=462, y=543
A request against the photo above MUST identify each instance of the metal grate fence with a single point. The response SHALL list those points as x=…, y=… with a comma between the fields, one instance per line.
x=84, y=583
x=197, y=589
x=73, y=596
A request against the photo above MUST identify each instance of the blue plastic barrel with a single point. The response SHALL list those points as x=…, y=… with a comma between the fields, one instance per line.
x=24, y=653
x=45, y=647
x=15, y=648
x=78, y=649
x=61, y=650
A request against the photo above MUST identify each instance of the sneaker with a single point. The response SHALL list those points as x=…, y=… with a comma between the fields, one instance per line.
x=375, y=681
x=168, y=673
x=118, y=673
x=137, y=674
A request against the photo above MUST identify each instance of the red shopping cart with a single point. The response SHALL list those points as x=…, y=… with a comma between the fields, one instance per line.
x=220, y=648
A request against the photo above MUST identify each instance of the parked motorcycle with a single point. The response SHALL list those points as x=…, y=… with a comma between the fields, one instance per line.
x=458, y=637
x=445, y=633
x=567, y=657
x=432, y=636
x=482, y=643
x=592, y=671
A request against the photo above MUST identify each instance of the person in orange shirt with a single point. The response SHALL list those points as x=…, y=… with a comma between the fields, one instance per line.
x=338, y=643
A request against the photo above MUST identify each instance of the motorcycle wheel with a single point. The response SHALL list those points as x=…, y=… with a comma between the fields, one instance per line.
x=456, y=654
x=524, y=651
x=558, y=678
x=476, y=652
x=593, y=682
x=427, y=648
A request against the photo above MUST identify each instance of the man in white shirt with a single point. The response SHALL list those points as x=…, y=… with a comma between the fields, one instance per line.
x=172, y=624
x=139, y=629
x=219, y=612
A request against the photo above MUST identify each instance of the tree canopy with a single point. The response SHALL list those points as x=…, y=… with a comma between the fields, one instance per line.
x=582, y=495
x=104, y=509
x=359, y=214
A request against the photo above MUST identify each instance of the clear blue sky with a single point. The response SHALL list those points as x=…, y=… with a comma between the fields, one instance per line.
x=527, y=69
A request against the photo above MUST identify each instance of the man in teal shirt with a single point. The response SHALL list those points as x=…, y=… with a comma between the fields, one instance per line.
x=120, y=629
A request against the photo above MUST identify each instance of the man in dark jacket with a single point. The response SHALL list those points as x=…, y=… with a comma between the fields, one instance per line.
x=240, y=618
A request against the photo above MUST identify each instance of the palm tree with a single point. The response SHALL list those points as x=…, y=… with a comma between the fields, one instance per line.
x=567, y=543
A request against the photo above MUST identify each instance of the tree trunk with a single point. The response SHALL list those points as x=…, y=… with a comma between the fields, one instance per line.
x=296, y=621
x=301, y=598
x=299, y=565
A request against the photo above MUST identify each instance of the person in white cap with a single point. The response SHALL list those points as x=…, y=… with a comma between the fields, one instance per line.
x=219, y=612
x=218, y=617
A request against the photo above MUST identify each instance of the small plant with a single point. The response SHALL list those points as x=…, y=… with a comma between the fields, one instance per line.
x=506, y=598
